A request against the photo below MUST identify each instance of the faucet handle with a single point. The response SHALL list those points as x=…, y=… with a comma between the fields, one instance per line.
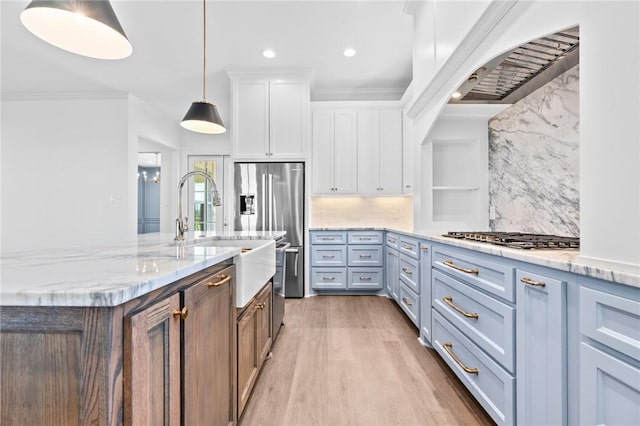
x=185, y=227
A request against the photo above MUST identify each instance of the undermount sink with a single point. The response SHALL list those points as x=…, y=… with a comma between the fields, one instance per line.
x=254, y=266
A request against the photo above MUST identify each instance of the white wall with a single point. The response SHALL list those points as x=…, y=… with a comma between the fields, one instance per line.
x=65, y=177
x=609, y=148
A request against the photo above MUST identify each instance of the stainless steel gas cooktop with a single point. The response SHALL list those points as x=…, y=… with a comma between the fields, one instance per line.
x=519, y=240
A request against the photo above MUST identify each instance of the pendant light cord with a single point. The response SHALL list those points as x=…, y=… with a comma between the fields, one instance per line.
x=204, y=49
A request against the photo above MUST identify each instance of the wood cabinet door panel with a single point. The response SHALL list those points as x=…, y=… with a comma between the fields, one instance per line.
x=247, y=355
x=152, y=365
x=264, y=323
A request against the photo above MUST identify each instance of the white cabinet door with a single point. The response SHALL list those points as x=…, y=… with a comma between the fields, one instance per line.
x=390, y=165
x=368, y=152
x=407, y=155
x=323, y=143
x=288, y=106
x=345, y=152
x=540, y=326
x=250, y=120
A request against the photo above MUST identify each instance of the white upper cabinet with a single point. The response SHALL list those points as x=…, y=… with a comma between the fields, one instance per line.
x=269, y=118
x=380, y=151
x=334, y=152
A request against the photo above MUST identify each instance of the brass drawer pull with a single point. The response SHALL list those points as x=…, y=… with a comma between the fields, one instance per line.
x=366, y=256
x=449, y=348
x=365, y=278
x=406, y=301
x=328, y=256
x=532, y=282
x=328, y=238
x=260, y=306
x=406, y=247
x=223, y=280
x=406, y=271
x=391, y=240
x=328, y=278
x=449, y=301
x=450, y=264
x=182, y=313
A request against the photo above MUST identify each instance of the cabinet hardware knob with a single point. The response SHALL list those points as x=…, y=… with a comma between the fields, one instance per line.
x=406, y=271
x=406, y=301
x=449, y=301
x=450, y=264
x=182, y=313
x=223, y=279
x=529, y=281
x=449, y=348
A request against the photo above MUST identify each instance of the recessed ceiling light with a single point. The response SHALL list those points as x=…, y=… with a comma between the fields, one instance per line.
x=268, y=53
x=456, y=95
x=349, y=52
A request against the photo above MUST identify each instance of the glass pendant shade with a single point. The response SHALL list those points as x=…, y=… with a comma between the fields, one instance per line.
x=86, y=27
x=203, y=117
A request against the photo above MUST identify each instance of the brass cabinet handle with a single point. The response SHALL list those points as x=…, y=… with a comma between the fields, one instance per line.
x=365, y=278
x=406, y=271
x=450, y=264
x=182, y=313
x=366, y=256
x=532, y=282
x=449, y=348
x=328, y=278
x=328, y=238
x=406, y=247
x=449, y=301
x=261, y=306
x=223, y=280
x=406, y=301
x=391, y=240
x=327, y=256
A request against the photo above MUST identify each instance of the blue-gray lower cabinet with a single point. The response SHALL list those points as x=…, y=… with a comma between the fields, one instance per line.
x=365, y=278
x=541, y=350
x=392, y=266
x=329, y=278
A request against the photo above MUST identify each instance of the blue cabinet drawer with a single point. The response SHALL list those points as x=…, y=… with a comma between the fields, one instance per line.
x=392, y=240
x=410, y=303
x=410, y=273
x=329, y=256
x=409, y=246
x=329, y=278
x=328, y=237
x=487, y=322
x=611, y=320
x=492, y=386
x=364, y=237
x=491, y=277
x=365, y=278
x=363, y=255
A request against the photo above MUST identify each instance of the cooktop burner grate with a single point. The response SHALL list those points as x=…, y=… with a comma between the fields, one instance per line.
x=519, y=240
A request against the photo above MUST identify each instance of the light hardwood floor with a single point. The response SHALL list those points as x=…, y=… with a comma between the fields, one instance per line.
x=356, y=360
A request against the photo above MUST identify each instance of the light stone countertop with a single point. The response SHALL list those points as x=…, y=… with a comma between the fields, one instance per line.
x=563, y=260
x=112, y=274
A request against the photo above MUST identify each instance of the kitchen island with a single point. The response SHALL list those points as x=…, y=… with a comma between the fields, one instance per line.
x=137, y=333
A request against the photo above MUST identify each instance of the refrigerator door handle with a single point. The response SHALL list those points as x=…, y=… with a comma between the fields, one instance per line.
x=272, y=207
x=264, y=201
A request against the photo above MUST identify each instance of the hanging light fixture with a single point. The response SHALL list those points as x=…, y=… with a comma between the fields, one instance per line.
x=203, y=116
x=156, y=178
x=86, y=27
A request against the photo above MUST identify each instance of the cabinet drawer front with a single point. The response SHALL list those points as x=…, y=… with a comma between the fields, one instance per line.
x=365, y=278
x=365, y=255
x=329, y=256
x=492, y=329
x=609, y=389
x=409, y=246
x=493, y=387
x=365, y=237
x=329, y=278
x=491, y=277
x=392, y=240
x=410, y=273
x=611, y=320
x=328, y=237
x=410, y=304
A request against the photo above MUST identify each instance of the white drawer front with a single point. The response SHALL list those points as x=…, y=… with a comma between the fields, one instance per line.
x=492, y=277
x=410, y=304
x=329, y=278
x=410, y=273
x=364, y=255
x=611, y=320
x=492, y=386
x=365, y=278
x=329, y=256
x=487, y=322
x=328, y=237
x=365, y=237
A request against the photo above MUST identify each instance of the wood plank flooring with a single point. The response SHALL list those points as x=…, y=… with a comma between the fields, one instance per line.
x=356, y=360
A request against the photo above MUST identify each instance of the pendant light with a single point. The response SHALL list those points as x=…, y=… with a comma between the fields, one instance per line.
x=203, y=116
x=86, y=27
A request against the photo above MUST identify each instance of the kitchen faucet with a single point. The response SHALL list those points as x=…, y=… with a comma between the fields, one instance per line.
x=181, y=221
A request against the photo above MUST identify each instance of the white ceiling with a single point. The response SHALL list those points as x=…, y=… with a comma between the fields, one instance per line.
x=165, y=69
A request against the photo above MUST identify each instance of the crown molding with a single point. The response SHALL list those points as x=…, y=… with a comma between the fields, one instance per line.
x=269, y=73
x=442, y=81
x=365, y=94
x=47, y=96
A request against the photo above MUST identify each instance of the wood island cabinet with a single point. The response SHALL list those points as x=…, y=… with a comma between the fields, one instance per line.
x=254, y=342
x=165, y=358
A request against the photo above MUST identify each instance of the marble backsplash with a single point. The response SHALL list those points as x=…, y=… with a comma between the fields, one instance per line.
x=534, y=161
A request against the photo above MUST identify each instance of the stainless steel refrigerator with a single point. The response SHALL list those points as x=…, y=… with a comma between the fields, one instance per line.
x=270, y=197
